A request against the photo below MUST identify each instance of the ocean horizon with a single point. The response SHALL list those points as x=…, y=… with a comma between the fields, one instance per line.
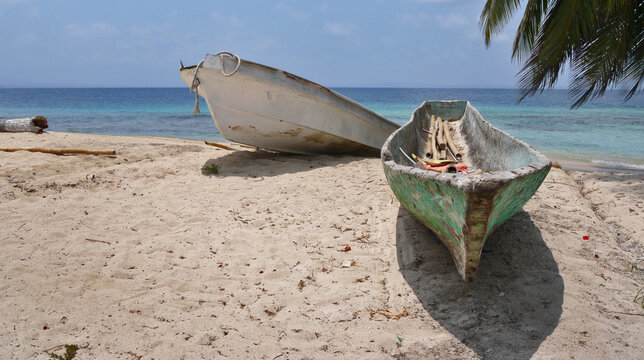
x=605, y=133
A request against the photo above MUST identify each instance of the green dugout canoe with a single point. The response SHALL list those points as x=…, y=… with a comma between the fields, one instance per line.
x=463, y=209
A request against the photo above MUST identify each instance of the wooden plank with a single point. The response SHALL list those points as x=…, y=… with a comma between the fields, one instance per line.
x=218, y=145
x=62, y=151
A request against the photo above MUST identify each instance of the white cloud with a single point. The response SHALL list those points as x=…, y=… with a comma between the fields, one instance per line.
x=28, y=38
x=228, y=19
x=235, y=21
x=502, y=38
x=450, y=20
x=10, y=2
x=91, y=30
x=269, y=44
x=445, y=21
x=147, y=32
x=433, y=1
x=415, y=20
x=293, y=13
x=6, y=4
x=339, y=29
x=505, y=37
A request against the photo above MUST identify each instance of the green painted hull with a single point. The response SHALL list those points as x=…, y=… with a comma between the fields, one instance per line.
x=463, y=209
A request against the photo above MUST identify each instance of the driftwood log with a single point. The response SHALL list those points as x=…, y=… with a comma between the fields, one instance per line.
x=34, y=124
x=62, y=151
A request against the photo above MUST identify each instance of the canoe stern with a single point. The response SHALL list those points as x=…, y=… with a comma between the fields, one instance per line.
x=463, y=210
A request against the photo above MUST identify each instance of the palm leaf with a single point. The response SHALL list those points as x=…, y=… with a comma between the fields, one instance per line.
x=602, y=40
x=528, y=28
x=495, y=15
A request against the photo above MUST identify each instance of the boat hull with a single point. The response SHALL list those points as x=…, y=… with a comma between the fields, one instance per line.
x=464, y=209
x=273, y=109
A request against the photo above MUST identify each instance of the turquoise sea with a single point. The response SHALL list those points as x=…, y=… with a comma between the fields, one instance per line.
x=606, y=133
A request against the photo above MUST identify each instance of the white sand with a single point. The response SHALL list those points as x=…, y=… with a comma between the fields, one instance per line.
x=141, y=256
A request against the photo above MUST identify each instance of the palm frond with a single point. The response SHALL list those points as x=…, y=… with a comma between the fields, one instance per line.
x=528, y=28
x=614, y=57
x=602, y=40
x=495, y=15
x=563, y=29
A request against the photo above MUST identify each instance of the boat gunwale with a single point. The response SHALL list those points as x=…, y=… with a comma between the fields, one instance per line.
x=466, y=182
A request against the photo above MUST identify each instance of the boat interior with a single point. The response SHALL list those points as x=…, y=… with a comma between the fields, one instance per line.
x=475, y=141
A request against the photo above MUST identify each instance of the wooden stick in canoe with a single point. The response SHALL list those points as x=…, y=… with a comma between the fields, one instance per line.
x=434, y=151
x=428, y=147
x=441, y=140
x=433, y=141
x=450, y=143
x=62, y=151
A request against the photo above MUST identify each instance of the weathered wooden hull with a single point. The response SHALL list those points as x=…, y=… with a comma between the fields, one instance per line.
x=273, y=109
x=463, y=209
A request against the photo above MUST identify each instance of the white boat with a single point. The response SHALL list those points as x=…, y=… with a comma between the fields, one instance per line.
x=258, y=105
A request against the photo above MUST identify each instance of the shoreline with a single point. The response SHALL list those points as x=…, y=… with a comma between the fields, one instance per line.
x=599, y=169
x=141, y=255
x=589, y=165
x=565, y=162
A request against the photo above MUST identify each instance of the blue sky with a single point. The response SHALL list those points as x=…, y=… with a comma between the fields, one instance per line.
x=138, y=43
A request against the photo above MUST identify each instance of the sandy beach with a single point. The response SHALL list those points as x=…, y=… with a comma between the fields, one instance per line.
x=142, y=256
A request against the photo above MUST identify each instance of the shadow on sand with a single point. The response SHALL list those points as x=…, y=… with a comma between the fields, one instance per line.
x=260, y=164
x=515, y=302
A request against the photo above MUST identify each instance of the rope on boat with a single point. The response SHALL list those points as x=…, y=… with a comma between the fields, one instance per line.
x=221, y=55
x=407, y=156
x=196, y=109
x=194, y=87
x=195, y=81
